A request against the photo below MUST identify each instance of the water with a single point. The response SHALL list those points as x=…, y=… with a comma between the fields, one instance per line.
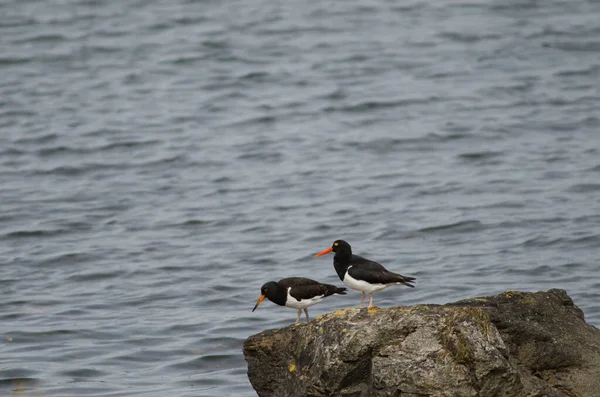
x=161, y=160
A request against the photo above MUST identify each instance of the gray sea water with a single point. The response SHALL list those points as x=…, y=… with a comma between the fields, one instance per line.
x=161, y=159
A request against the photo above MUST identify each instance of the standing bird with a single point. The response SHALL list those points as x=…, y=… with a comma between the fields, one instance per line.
x=362, y=274
x=298, y=293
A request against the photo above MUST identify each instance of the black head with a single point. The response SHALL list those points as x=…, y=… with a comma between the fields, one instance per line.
x=340, y=247
x=268, y=290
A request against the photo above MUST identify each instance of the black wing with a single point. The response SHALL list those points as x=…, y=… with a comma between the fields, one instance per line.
x=305, y=288
x=375, y=273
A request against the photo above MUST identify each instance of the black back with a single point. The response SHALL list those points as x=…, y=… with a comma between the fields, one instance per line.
x=301, y=288
x=305, y=288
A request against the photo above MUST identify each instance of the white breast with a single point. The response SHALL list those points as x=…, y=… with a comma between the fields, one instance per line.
x=361, y=285
x=301, y=304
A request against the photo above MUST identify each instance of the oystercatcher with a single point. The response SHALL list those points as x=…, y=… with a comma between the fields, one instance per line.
x=362, y=274
x=298, y=293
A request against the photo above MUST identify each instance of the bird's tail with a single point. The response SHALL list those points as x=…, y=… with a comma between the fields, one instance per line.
x=405, y=280
x=340, y=291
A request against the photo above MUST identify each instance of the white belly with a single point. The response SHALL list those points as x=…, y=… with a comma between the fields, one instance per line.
x=301, y=304
x=362, y=286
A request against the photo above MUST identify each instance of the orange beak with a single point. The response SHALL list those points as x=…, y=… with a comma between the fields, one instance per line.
x=328, y=250
x=262, y=298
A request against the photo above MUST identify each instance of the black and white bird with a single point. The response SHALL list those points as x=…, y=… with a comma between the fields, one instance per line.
x=297, y=293
x=362, y=274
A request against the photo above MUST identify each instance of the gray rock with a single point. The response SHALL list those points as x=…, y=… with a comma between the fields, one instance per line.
x=515, y=344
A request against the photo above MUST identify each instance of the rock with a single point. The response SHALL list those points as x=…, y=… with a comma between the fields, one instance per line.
x=515, y=344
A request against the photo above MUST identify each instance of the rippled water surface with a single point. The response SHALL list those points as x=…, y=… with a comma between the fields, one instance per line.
x=161, y=160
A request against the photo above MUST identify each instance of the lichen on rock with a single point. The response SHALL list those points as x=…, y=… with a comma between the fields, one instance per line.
x=515, y=344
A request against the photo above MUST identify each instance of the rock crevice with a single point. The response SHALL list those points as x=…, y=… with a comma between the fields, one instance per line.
x=514, y=344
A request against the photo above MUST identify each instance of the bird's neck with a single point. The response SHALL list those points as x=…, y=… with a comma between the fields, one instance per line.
x=341, y=264
x=342, y=257
x=278, y=296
